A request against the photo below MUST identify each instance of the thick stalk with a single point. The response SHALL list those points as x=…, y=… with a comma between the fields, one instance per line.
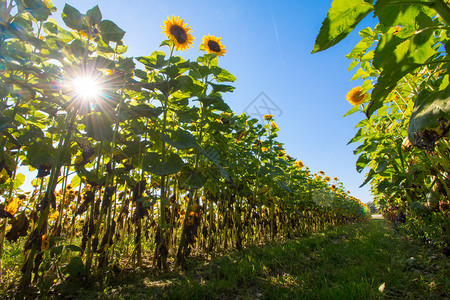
x=63, y=146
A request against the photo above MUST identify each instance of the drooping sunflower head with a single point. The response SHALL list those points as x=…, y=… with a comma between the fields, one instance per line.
x=212, y=44
x=356, y=96
x=178, y=32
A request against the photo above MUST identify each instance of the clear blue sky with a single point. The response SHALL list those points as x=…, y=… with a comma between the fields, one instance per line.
x=268, y=49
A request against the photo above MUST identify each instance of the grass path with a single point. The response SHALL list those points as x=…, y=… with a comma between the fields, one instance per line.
x=360, y=261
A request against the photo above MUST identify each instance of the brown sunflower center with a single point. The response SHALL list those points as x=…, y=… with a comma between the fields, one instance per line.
x=179, y=33
x=213, y=46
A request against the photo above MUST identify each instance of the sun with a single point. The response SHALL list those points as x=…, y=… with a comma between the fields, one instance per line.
x=86, y=87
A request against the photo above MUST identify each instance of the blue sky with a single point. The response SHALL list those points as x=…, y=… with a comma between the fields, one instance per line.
x=268, y=49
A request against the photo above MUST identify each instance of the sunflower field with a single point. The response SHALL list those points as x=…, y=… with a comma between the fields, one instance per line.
x=403, y=144
x=110, y=161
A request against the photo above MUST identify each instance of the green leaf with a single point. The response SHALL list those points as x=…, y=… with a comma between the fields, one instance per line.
x=154, y=61
x=94, y=15
x=383, y=185
x=361, y=163
x=74, y=248
x=153, y=163
x=38, y=9
x=398, y=14
x=145, y=111
x=430, y=119
x=381, y=166
x=57, y=250
x=222, y=75
x=180, y=139
x=211, y=153
x=75, y=268
x=19, y=179
x=368, y=178
x=5, y=123
x=342, y=18
x=99, y=127
x=282, y=185
x=354, y=109
x=221, y=87
x=191, y=178
x=39, y=154
x=76, y=181
x=72, y=17
x=110, y=31
x=400, y=56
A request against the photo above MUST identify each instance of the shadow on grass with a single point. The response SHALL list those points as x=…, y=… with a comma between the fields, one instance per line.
x=349, y=262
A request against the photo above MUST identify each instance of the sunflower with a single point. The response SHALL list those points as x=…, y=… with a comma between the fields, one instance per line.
x=333, y=187
x=335, y=179
x=299, y=164
x=178, y=32
x=356, y=96
x=327, y=178
x=268, y=117
x=45, y=242
x=274, y=125
x=321, y=172
x=211, y=44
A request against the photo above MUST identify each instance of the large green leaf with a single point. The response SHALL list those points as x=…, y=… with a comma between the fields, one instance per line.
x=99, y=127
x=179, y=139
x=192, y=178
x=94, y=15
x=110, y=31
x=40, y=154
x=72, y=17
x=430, y=119
x=212, y=155
x=153, y=163
x=154, y=61
x=398, y=56
x=37, y=8
x=342, y=18
x=398, y=14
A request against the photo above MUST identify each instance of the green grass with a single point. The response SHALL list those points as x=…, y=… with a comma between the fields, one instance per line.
x=349, y=262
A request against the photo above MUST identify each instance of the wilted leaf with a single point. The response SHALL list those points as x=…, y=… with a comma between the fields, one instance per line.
x=19, y=228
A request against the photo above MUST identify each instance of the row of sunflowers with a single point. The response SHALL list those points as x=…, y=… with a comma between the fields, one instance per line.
x=137, y=159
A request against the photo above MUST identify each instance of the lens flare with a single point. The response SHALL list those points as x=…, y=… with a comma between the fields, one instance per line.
x=86, y=87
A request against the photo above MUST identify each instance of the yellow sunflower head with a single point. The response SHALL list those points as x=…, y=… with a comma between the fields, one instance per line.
x=299, y=164
x=274, y=125
x=268, y=117
x=356, y=96
x=333, y=187
x=178, y=32
x=321, y=172
x=211, y=44
x=327, y=178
